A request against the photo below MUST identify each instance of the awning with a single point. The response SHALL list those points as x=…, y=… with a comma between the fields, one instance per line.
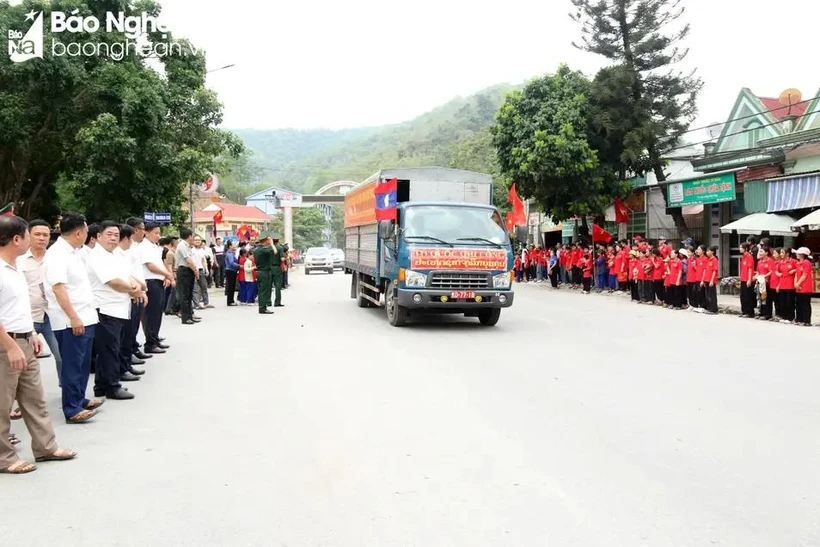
x=810, y=222
x=553, y=228
x=757, y=223
x=794, y=192
x=692, y=210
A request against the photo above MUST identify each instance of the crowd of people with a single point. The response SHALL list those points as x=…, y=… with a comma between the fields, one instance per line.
x=776, y=281
x=87, y=292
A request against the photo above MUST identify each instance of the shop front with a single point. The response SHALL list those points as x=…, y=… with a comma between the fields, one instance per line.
x=721, y=201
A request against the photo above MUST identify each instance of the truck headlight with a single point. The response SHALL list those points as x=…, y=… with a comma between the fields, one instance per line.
x=414, y=279
x=501, y=281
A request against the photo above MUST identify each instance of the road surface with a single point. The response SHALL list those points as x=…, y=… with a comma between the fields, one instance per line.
x=578, y=420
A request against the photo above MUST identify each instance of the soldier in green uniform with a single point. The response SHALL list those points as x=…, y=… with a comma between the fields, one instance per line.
x=265, y=266
x=278, y=275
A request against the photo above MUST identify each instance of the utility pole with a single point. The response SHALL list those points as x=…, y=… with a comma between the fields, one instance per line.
x=191, y=204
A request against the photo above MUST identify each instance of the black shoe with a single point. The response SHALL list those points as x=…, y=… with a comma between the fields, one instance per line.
x=278, y=305
x=99, y=393
x=189, y=322
x=154, y=350
x=266, y=311
x=136, y=361
x=128, y=377
x=163, y=346
x=120, y=395
x=140, y=355
x=136, y=372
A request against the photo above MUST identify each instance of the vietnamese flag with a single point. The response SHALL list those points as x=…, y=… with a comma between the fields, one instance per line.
x=621, y=212
x=509, y=222
x=218, y=217
x=599, y=234
x=518, y=215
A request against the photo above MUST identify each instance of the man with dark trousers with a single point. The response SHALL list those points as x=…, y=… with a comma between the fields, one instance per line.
x=264, y=255
x=109, y=272
x=138, y=309
x=187, y=274
x=156, y=278
x=276, y=272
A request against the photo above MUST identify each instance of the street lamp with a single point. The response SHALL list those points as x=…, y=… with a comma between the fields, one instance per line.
x=220, y=68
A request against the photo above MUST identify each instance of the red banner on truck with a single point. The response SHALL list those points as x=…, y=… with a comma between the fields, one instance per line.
x=438, y=258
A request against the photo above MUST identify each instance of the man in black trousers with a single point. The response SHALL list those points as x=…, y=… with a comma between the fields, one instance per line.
x=157, y=278
x=187, y=273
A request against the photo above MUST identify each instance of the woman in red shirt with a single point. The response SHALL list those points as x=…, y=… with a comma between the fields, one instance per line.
x=675, y=290
x=658, y=271
x=748, y=301
x=765, y=267
x=804, y=287
x=775, y=285
x=693, y=276
x=710, y=280
x=785, y=274
x=645, y=277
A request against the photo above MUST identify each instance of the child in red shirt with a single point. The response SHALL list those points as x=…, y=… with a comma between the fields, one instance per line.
x=632, y=271
x=674, y=292
x=658, y=271
x=748, y=300
x=645, y=277
x=765, y=267
x=586, y=267
x=517, y=268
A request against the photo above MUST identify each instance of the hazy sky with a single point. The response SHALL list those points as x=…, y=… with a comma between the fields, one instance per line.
x=353, y=63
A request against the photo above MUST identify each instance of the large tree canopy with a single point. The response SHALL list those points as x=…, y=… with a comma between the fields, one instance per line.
x=642, y=102
x=543, y=137
x=108, y=137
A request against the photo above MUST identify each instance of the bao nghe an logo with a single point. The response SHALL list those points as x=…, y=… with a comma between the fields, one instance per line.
x=23, y=47
x=135, y=28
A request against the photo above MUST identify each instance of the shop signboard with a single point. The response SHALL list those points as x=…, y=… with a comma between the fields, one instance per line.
x=705, y=190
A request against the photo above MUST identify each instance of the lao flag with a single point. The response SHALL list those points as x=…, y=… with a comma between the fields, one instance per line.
x=386, y=197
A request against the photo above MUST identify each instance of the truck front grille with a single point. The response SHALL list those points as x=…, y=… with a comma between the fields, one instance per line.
x=449, y=280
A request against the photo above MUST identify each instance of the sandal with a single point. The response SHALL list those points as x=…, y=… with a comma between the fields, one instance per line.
x=16, y=414
x=20, y=467
x=92, y=405
x=81, y=417
x=13, y=440
x=61, y=455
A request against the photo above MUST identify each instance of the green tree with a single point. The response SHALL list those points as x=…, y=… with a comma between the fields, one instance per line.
x=542, y=136
x=643, y=99
x=308, y=224
x=117, y=137
x=337, y=227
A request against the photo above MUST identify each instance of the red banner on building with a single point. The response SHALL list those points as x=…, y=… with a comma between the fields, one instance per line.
x=437, y=258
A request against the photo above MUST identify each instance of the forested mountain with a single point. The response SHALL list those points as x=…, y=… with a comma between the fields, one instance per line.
x=454, y=135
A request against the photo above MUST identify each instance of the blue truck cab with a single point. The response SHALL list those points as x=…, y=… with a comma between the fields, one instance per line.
x=440, y=248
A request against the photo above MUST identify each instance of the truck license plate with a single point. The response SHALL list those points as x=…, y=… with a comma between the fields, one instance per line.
x=462, y=295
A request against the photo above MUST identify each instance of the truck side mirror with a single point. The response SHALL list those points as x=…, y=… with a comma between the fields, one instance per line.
x=386, y=229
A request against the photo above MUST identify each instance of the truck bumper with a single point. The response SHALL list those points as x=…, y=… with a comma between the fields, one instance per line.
x=428, y=298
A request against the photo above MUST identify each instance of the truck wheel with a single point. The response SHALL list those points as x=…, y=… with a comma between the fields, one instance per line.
x=396, y=315
x=489, y=317
x=330, y=271
x=307, y=272
x=354, y=286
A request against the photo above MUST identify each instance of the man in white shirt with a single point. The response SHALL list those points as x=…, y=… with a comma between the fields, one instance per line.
x=138, y=309
x=73, y=316
x=31, y=264
x=157, y=277
x=110, y=275
x=19, y=369
x=200, y=253
x=219, y=264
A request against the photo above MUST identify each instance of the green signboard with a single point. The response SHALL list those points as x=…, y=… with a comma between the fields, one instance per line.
x=714, y=189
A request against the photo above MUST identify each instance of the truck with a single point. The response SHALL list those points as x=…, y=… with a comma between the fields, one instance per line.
x=428, y=240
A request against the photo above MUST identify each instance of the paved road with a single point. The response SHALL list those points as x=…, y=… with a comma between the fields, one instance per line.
x=578, y=420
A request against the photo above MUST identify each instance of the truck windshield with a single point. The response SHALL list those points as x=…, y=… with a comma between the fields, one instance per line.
x=455, y=224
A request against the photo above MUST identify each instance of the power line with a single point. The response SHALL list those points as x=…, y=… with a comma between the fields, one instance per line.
x=755, y=128
x=755, y=115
